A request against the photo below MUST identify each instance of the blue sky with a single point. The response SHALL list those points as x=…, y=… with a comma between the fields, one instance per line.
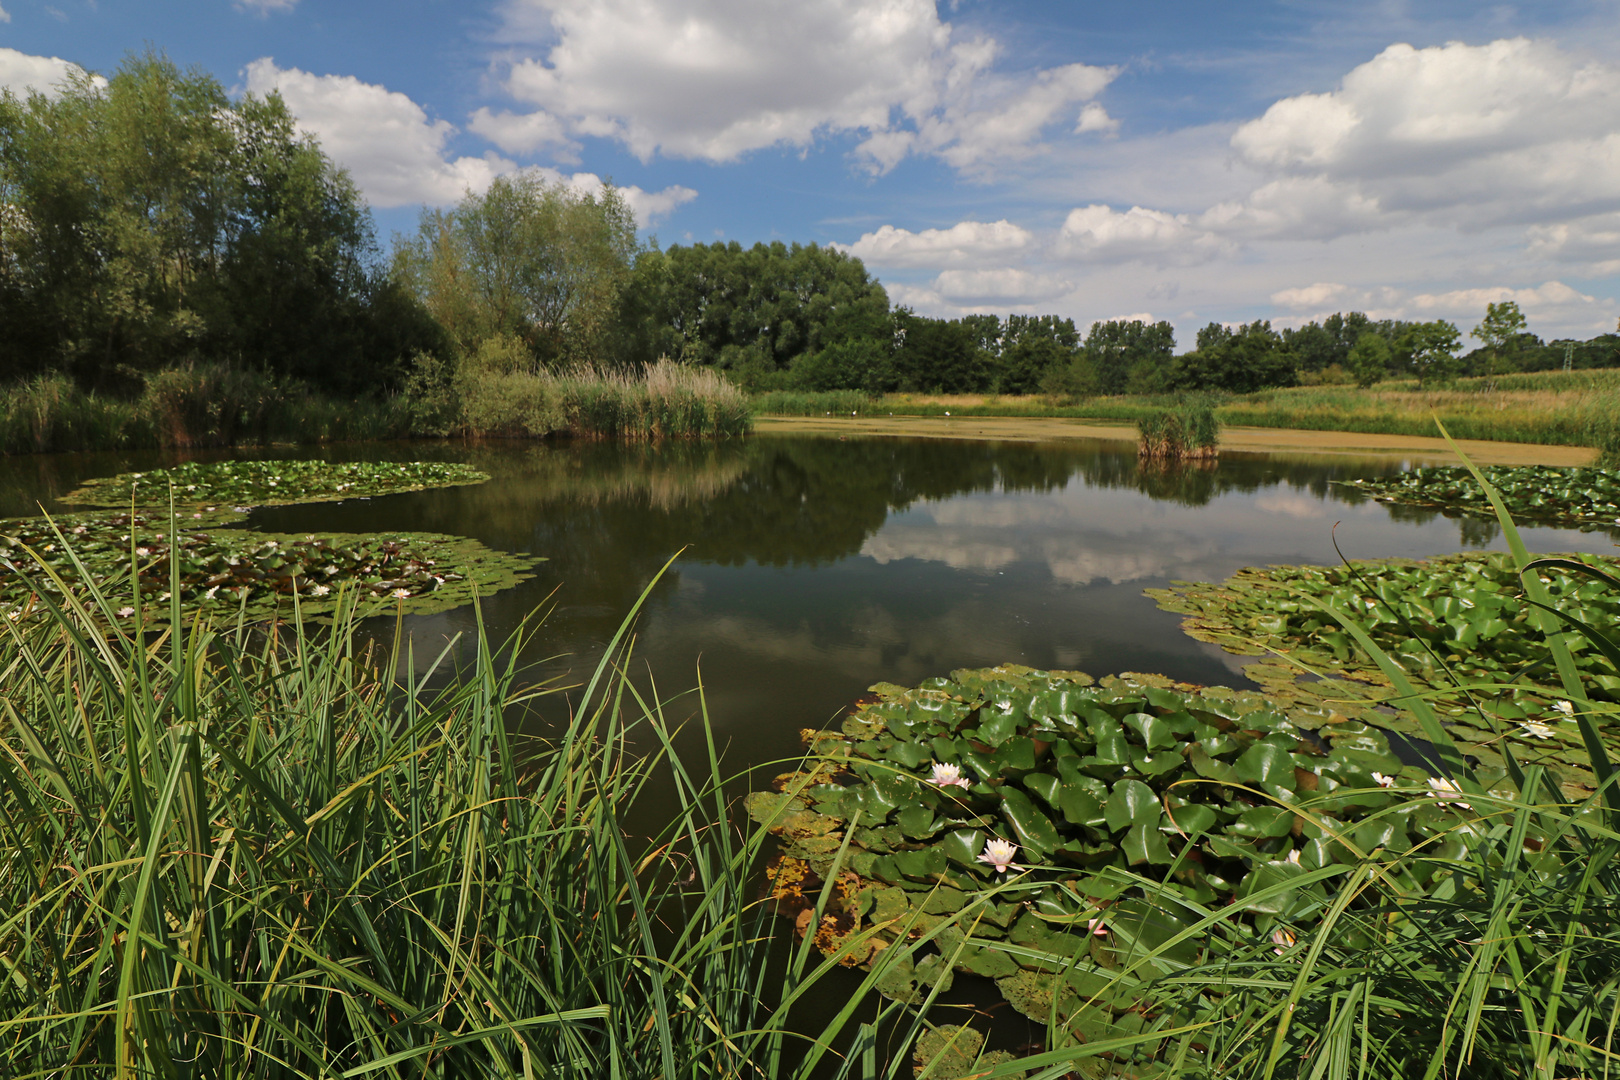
x=1177, y=160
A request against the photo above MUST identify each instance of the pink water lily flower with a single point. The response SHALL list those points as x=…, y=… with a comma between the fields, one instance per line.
x=999, y=854
x=1097, y=927
x=948, y=776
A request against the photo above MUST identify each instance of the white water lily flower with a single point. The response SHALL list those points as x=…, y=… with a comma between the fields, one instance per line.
x=1293, y=856
x=191, y=487
x=209, y=595
x=163, y=596
x=400, y=594
x=1383, y=781
x=320, y=590
x=125, y=612
x=999, y=854
x=80, y=530
x=143, y=552
x=1442, y=789
x=944, y=775
x=1565, y=707
x=1532, y=729
x=329, y=570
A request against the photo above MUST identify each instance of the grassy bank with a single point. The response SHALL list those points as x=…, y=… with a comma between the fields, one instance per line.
x=217, y=406
x=1579, y=408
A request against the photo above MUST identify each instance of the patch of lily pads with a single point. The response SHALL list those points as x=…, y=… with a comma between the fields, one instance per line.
x=1537, y=494
x=1450, y=622
x=1046, y=830
x=240, y=573
x=220, y=485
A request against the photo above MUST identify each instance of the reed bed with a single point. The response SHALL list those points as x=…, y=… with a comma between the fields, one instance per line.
x=666, y=400
x=1185, y=432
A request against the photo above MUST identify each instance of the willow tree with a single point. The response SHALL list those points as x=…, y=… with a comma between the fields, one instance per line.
x=529, y=259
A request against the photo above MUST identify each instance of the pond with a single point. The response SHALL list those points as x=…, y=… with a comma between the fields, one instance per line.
x=813, y=567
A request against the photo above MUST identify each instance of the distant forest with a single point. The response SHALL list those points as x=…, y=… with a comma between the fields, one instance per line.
x=153, y=223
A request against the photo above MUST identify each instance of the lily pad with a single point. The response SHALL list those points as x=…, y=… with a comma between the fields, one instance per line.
x=224, y=484
x=1538, y=494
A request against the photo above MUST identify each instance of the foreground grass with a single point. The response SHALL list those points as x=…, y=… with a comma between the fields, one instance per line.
x=1579, y=408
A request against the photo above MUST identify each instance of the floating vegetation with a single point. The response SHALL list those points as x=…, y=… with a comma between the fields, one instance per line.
x=243, y=573
x=245, y=484
x=1213, y=797
x=1535, y=494
x=1187, y=431
x=1455, y=620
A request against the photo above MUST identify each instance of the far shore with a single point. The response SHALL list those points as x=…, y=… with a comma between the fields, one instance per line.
x=1419, y=450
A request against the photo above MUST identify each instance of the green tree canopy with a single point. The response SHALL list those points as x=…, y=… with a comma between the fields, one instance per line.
x=1429, y=350
x=750, y=311
x=152, y=220
x=1249, y=358
x=1119, y=348
x=527, y=259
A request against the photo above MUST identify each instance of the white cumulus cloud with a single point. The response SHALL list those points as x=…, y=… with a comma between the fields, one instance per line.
x=5, y=16
x=395, y=153
x=998, y=285
x=22, y=73
x=525, y=133
x=1470, y=135
x=965, y=243
x=715, y=79
x=265, y=7
x=1099, y=233
x=1322, y=294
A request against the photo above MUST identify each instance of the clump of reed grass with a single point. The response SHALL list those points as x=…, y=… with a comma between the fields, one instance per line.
x=1184, y=432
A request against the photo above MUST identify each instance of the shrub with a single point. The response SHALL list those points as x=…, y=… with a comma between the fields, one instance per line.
x=1188, y=430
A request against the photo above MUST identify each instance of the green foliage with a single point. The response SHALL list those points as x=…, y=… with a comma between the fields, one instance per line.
x=243, y=573
x=1186, y=430
x=1456, y=621
x=245, y=484
x=538, y=262
x=1158, y=826
x=852, y=364
x=1249, y=358
x=156, y=220
x=751, y=312
x=189, y=407
x=237, y=573
x=1123, y=351
x=1370, y=359
x=1536, y=494
x=1428, y=350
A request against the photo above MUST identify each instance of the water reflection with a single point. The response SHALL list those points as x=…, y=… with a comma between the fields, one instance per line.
x=813, y=567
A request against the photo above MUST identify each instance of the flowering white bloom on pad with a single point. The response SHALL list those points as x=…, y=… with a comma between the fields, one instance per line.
x=80, y=530
x=1565, y=707
x=143, y=552
x=209, y=595
x=320, y=590
x=400, y=594
x=1293, y=856
x=1383, y=781
x=999, y=854
x=1537, y=730
x=1442, y=789
x=948, y=776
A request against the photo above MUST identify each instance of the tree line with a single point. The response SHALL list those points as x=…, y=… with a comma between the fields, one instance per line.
x=152, y=222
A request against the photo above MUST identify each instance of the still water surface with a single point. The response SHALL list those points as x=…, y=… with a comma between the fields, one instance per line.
x=814, y=567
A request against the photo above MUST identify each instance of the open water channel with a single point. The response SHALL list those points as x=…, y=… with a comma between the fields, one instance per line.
x=812, y=567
